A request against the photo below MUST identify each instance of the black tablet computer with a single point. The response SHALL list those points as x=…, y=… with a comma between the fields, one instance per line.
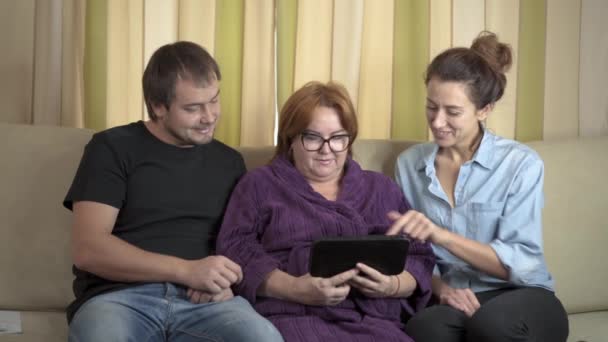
x=331, y=256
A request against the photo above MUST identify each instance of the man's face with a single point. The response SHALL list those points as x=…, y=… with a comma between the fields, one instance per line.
x=193, y=114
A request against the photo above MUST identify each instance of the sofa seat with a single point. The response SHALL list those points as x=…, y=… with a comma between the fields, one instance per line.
x=589, y=327
x=40, y=326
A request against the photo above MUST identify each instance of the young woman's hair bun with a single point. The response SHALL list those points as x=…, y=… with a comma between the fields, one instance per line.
x=497, y=54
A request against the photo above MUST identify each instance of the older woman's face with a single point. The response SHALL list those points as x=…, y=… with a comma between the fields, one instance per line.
x=324, y=164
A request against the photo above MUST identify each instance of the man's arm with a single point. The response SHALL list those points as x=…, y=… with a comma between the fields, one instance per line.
x=96, y=250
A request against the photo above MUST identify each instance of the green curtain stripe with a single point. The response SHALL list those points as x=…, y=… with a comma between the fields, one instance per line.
x=95, y=64
x=229, y=55
x=531, y=71
x=287, y=11
x=411, y=55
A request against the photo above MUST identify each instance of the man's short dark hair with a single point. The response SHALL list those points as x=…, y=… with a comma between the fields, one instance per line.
x=185, y=60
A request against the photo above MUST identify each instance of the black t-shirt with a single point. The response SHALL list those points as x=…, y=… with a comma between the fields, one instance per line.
x=171, y=199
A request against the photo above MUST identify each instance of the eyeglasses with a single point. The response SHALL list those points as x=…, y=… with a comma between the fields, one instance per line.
x=313, y=142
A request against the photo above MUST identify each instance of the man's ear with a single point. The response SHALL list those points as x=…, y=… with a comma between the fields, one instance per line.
x=159, y=110
x=483, y=113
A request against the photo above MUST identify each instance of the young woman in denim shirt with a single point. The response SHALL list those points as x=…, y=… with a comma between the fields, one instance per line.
x=478, y=200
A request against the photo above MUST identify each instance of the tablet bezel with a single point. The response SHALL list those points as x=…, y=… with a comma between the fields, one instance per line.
x=330, y=256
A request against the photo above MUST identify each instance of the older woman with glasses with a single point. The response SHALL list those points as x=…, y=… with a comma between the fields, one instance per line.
x=313, y=189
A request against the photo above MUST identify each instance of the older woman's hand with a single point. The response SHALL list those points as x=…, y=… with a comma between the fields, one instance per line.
x=323, y=291
x=416, y=225
x=374, y=284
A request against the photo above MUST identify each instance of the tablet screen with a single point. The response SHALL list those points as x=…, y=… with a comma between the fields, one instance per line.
x=331, y=256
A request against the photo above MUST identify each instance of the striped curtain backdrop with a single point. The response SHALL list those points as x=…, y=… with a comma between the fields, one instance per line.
x=267, y=48
x=42, y=62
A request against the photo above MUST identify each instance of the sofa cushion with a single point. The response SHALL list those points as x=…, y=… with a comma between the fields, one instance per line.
x=372, y=154
x=589, y=327
x=35, y=261
x=40, y=327
x=379, y=155
x=256, y=156
x=575, y=220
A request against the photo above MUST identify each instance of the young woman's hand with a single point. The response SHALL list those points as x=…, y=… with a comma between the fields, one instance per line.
x=460, y=299
x=416, y=225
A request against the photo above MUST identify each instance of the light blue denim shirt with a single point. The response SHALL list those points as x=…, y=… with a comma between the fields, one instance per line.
x=498, y=200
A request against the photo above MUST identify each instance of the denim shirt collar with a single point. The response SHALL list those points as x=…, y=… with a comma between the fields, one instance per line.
x=483, y=156
x=428, y=160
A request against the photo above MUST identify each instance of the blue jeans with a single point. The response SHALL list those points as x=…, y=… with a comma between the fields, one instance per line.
x=162, y=312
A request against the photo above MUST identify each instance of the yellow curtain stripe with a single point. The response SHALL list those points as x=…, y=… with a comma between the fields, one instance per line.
x=468, y=20
x=440, y=31
x=72, y=88
x=125, y=62
x=531, y=71
x=46, y=104
x=117, y=50
x=258, y=106
x=562, y=69
x=346, y=49
x=229, y=54
x=593, y=89
x=440, y=27
x=160, y=25
x=313, y=41
x=502, y=17
x=136, y=110
x=286, y=46
x=197, y=22
x=376, y=80
x=411, y=55
x=95, y=64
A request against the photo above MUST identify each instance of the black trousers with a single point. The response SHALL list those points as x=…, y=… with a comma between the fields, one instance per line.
x=523, y=314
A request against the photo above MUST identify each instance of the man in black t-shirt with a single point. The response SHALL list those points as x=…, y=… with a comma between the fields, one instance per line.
x=147, y=200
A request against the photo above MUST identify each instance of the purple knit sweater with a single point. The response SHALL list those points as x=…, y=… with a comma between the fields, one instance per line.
x=272, y=219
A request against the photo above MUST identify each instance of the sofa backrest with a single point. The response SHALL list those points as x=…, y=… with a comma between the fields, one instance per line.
x=38, y=164
x=373, y=154
x=575, y=220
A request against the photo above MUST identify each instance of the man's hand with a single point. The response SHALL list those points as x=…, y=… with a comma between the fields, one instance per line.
x=212, y=274
x=460, y=299
x=311, y=290
x=200, y=297
x=416, y=225
x=373, y=283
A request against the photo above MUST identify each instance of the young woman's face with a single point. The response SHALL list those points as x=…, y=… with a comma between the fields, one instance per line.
x=452, y=117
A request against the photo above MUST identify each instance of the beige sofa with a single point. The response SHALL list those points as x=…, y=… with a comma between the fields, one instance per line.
x=38, y=164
